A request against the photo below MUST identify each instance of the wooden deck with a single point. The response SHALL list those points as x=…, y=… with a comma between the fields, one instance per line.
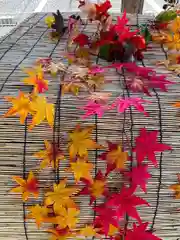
x=17, y=145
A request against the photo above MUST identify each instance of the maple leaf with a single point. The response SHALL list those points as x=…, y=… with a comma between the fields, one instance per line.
x=175, y=26
x=21, y=106
x=96, y=188
x=81, y=169
x=100, y=97
x=140, y=233
x=107, y=216
x=50, y=156
x=138, y=84
x=36, y=79
x=173, y=41
x=73, y=87
x=115, y=157
x=123, y=104
x=139, y=176
x=126, y=202
x=92, y=108
x=89, y=231
x=80, y=142
x=159, y=82
x=176, y=188
x=147, y=145
x=96, y=80
x=54, y=68
x=42, y=110
x=177, y=104
x=39, y=213
x=26, y=187
x=59, y=234
x=82, y=39
x=61, y=195
x=65, y=217
x=96, y=69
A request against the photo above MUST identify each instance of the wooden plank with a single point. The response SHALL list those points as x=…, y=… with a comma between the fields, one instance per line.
x=132, y=6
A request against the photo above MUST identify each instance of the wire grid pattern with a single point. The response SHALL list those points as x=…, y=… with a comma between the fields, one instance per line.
x=17, y=145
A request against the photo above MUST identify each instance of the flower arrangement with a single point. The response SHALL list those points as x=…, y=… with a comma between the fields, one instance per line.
x=122, y=47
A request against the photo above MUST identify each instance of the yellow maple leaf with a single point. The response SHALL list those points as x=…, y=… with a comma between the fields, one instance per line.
x=66, y=217
x=95, y=80
x=117, y=157
x=176, y=188
x=80, y=142
x=39, y=213
x=42, y=110
x=50, y=156
x=173, y=41
x=89, y=231
x=81, y=169
x=21, y=106
x=97, y=188
x=61, y=195
x=49, y=20
x=26, y=187
x=36, y=79
x=59, y=234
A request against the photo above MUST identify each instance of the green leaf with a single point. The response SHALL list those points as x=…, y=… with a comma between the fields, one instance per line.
x=166, y=16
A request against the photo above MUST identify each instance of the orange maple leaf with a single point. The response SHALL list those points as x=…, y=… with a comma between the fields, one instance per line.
x=177, y=104
x=36, y=79
x=81, y=169
x=27, y=187
x=65, y=217
x=39, y=213
x=176, y=187
x=21, y=106
x=50, y=156
x=41, y=111
x=61, y=195
x=80, y=142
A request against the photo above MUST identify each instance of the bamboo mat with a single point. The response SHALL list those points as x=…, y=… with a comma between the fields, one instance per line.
x=21, y=48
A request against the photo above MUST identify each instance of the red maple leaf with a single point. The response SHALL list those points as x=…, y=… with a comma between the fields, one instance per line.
x=139, y=176
x=140, y=233
x=95, y=189
x=106, y=217
x=147, y=145
x=101, y=9
x=126, y=202
x=159, y=82
x=81, y=40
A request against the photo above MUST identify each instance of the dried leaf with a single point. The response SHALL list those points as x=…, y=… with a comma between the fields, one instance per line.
x=26, y=187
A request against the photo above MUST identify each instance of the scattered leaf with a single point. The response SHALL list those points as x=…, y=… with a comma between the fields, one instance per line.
x=81, y=169
x=42, y=110
x=176, y=188
x=26, y=187
x=50, y=156
x=115, y=157
x=147, y=146
x=80, y=142
x=39, y=213
x=21, y=106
